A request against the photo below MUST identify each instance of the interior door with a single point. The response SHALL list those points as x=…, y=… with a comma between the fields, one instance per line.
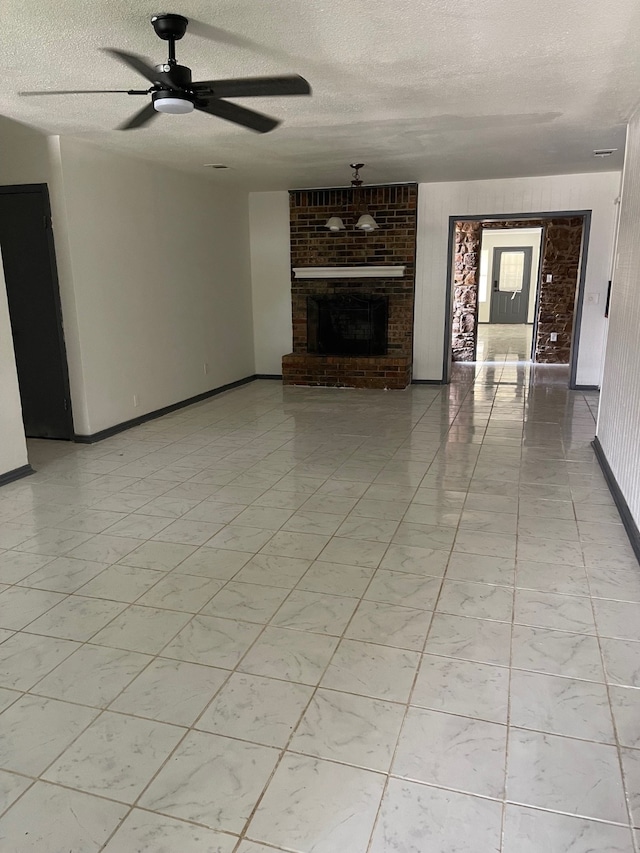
x=510, y=286
x=34, y=310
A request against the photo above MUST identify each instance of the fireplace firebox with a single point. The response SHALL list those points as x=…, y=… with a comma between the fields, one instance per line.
x=347, y=324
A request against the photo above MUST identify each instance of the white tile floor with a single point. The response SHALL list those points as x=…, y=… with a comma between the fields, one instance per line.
x=324, y=621
x=499, y=342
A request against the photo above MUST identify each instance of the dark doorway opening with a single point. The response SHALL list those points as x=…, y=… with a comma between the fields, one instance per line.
x=31, y=278
x=347, y=325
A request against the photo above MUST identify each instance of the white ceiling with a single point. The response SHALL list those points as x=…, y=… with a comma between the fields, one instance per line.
x=423, y=90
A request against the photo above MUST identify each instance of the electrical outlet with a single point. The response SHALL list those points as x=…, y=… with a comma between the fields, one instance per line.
x=135, y=401
x=205, y=368
x=549, y=279
x=553, y=336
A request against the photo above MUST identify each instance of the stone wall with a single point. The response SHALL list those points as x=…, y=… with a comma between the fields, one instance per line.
x=468, y=236
x=561, y=253
x=561, y=260
x=394, y=244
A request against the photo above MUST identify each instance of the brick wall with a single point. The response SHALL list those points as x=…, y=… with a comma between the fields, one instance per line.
x=393, y=244
x=347, y=372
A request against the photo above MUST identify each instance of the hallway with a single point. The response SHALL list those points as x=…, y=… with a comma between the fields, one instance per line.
x=324, y=621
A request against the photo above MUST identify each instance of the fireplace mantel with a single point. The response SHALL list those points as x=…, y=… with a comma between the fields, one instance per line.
x=367, y=271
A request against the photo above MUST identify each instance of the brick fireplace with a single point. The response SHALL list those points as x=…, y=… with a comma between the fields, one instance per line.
x=352, y=327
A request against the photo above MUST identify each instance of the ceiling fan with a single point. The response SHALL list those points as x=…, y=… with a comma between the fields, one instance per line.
x=173, y=91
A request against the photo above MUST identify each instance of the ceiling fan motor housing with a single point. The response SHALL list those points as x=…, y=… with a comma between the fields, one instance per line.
x=179, y=75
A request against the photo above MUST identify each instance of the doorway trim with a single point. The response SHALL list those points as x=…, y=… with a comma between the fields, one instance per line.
x=43, y=191
x=579, y=296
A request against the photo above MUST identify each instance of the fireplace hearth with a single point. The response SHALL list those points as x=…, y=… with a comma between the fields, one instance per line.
x=348, y=324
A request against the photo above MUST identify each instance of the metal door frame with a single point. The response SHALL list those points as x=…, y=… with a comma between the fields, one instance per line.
x=526, y=275
x=43, y=191
x=510, y=217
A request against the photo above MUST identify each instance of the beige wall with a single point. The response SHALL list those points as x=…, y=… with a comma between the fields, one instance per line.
x=13, y=447
x=161, y=276
x=270, y=279
x=619, y=417
x=24, y=154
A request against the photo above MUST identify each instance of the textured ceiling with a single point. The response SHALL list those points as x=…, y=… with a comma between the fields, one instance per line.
x=422, y=90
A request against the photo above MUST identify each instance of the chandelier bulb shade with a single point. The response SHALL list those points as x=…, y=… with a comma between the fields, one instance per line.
x=367, y=223
x=334, y=223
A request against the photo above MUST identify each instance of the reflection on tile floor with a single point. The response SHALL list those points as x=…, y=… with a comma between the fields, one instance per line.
x=500, y=342
x=324, y=621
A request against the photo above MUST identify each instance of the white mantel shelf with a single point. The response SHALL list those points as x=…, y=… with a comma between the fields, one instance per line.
x=367, y=271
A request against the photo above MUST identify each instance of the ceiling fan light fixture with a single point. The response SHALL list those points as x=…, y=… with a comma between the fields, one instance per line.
x=367, y=223
x=334, y=223
x=172, y=104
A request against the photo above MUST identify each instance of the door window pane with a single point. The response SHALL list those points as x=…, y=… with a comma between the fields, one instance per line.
x=511, y=272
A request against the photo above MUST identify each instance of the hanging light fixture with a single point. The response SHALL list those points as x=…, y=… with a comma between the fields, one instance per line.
x=334, y=223
x=365, y=222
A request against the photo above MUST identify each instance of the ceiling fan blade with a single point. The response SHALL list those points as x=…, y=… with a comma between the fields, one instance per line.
x=207, y=31
x=248, y=87
x=142, y=117
x=238, y=115
x=142, y=66
x=85, y=92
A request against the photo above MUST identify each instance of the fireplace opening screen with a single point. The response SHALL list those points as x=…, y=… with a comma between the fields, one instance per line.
x=347, y=325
